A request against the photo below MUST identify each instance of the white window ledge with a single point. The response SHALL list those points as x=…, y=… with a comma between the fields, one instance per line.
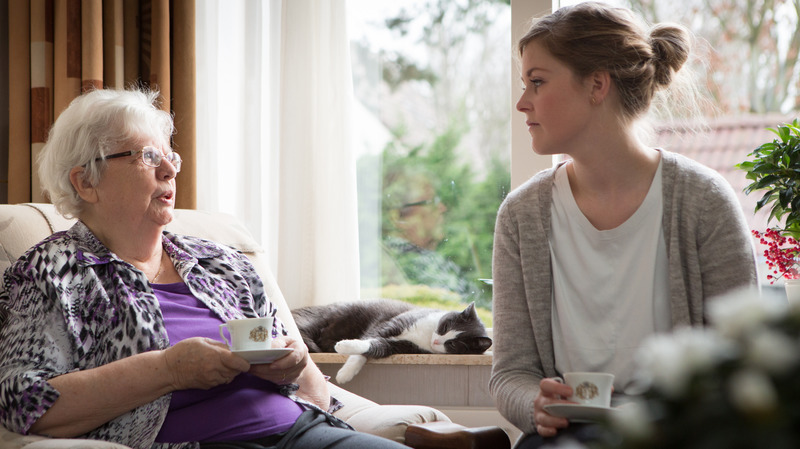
x=438, y=380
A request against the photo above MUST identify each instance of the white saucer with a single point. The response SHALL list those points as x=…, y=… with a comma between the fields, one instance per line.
x=580, y=412
x=263, y=355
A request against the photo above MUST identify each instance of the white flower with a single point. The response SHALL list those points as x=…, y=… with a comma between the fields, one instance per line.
x=669, y=360
x=751, y=391
x=658, y=358
x=771, y=350
x=743, y=311
x=633, y=421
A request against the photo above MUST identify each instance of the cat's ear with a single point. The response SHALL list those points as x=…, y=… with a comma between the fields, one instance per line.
x=470, y=311
x=483, y=343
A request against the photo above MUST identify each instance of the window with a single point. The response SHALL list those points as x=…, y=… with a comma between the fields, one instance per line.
x=432, y=125
x=437, y=130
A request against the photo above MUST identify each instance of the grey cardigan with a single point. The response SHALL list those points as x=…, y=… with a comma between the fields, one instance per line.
x=709, y=248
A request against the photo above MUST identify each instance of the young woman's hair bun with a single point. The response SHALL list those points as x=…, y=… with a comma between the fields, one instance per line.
x=671, y=44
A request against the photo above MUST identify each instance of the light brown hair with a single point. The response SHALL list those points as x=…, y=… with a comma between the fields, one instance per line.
x=590, y=37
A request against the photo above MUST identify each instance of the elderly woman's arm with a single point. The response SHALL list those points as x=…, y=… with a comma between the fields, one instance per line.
x=314, y=386
x=90, y=398
x=296, y=367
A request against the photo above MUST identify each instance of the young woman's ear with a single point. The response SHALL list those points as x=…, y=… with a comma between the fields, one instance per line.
x=599, y=86
x=81, y=184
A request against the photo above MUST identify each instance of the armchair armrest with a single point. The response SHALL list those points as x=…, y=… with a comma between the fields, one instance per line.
x=388, y=421
x=12, y=440
x=448, y=435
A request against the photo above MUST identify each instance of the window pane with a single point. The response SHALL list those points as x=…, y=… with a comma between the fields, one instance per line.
x=747, y=63
x=432, y=128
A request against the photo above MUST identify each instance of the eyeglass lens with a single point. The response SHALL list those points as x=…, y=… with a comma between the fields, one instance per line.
x=153, y=156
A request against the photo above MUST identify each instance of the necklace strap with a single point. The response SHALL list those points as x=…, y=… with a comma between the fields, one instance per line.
x=160, y=268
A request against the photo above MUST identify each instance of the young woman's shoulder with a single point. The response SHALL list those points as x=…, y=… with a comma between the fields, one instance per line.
x=680, y=169
x=694, y=185
x=531, y=191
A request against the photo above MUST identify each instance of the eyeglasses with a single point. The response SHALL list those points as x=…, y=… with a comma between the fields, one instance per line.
x=151, y=156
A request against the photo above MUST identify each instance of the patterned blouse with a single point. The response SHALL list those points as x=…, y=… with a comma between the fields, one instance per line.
x=73, y=305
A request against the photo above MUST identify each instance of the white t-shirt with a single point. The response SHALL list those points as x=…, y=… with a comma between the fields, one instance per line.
x=610, y=288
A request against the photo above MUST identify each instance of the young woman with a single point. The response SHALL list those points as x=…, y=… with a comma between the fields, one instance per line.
x=619, y=242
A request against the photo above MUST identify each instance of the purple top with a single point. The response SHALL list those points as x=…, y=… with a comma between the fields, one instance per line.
x=245, y=409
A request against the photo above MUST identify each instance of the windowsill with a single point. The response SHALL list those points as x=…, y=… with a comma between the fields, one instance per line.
x=411, y=359
x=437, y=380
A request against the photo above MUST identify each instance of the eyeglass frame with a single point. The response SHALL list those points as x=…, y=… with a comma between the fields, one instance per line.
x=161, y=157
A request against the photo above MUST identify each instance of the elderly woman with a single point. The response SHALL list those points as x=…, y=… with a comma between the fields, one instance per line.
x=112, y=328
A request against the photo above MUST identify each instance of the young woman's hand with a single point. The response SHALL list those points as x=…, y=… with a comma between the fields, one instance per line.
x=551, y=391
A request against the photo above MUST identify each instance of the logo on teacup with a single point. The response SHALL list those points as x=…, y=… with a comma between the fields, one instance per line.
x=587, y=390
x=259, y=334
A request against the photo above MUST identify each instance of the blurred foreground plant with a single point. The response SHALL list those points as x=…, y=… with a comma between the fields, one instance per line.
x=731, y=385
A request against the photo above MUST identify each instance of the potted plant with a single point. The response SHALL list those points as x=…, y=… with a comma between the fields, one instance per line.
x=775, y=169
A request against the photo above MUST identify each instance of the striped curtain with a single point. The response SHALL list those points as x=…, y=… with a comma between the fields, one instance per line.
x=60, y=48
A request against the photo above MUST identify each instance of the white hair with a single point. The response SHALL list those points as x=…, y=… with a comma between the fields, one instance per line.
x=96, y=124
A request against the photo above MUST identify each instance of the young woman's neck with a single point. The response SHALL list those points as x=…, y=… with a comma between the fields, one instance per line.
x=613, y=160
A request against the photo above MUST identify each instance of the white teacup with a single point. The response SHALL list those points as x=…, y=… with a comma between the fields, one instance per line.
x=590, y=388
x=248, y=334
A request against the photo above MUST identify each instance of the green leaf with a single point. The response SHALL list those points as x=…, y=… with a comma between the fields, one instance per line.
x=777, y=212
x=765, y=148
x=783, y=133
x=775, y=168
x=785, y=197
x=775, y=131
x=767, y=180
x=764, y=200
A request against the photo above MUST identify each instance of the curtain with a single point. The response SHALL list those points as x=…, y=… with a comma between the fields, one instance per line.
x=60, y=48
x=318, y=254
x=274, y=137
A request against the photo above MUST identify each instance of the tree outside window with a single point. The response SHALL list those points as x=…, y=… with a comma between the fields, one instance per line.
x=430, y=77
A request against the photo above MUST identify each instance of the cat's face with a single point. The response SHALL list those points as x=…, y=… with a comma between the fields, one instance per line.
x=461, y=333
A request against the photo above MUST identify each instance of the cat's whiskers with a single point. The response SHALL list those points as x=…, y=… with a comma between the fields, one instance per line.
x=417, y=333
x=437, y=342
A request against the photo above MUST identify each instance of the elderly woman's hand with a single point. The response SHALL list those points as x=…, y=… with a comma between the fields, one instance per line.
x=202, y=363
x=286, y=369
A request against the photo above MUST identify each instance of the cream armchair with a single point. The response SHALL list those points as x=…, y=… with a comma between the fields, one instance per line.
x=21, y=226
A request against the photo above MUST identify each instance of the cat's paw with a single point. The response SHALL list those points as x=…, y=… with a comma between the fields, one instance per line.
x=352, y=347
x=350, y=368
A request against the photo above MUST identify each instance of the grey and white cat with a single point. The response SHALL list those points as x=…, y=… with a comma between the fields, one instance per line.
x=383, y=327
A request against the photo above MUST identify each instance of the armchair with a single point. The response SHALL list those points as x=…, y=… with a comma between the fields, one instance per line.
x=23, y=225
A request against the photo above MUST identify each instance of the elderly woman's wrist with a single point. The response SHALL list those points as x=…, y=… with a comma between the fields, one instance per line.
x=167, y=370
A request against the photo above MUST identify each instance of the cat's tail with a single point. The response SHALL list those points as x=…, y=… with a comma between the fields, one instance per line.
x=350, y=368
